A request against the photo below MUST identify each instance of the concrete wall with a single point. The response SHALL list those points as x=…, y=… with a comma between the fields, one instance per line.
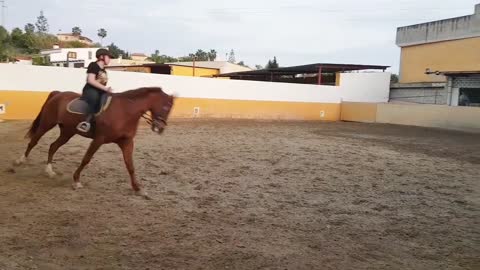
x=458, y=118
x=443, y=30
x=457, y=55
x=209, y=97
x=437, y=116
x=421, y=93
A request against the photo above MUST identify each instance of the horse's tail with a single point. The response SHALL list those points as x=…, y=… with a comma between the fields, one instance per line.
x=36, y=122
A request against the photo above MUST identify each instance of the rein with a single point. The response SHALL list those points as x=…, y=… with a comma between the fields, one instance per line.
x=148, y=118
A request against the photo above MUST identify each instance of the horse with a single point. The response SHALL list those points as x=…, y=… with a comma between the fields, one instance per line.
x=116, y=124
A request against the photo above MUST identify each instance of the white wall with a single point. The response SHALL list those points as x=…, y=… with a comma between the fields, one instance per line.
x=365, y=86
x=361, y=86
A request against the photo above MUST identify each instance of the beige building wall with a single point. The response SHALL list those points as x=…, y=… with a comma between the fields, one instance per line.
x=454, y=55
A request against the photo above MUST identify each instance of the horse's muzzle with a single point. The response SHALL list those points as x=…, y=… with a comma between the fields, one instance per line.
x=158, y=126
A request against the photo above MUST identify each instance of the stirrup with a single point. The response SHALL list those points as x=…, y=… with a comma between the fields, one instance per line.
x=83, y=127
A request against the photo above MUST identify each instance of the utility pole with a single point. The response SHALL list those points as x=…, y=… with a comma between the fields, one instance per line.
x=3, y=6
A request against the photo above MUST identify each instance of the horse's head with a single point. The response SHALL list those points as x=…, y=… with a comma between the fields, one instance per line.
x=160, y=111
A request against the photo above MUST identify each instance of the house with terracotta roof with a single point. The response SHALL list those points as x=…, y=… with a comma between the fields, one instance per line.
x=68, y=37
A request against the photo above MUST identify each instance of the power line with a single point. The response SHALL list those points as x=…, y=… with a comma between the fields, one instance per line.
x=3, y=11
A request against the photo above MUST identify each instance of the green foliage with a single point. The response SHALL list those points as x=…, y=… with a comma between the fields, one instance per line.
x=272, y=63
x=200, y=55
x=76, y=31
x=73, y=44
x=4, y=44
x=259, y=67
x=29, y=28
x=41, y=61
x=241, y=63
x=116, y=51
x=394, y=78
x=162, y=59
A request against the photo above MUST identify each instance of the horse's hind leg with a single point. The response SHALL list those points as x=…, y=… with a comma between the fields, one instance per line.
x=64, y=137
x=33, y=142
x=94, y=145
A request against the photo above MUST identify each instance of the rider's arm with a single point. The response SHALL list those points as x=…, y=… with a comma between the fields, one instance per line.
x=93, y=82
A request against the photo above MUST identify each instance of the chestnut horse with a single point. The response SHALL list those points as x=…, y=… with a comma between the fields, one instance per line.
x=117, y=124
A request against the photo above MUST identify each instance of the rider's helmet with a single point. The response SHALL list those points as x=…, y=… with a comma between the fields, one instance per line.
x=103, y=51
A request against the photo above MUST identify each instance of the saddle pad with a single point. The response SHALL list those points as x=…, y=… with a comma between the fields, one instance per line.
x=79, y=106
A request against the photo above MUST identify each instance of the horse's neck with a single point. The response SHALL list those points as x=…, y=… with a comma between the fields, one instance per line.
x=137, y=107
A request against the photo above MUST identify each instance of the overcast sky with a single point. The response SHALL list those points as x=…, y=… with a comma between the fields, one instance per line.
x=297, y=32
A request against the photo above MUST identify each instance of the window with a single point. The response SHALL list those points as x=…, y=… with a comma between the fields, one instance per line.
x=90, y=55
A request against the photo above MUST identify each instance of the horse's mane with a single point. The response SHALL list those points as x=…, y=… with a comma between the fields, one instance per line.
x=133, y=94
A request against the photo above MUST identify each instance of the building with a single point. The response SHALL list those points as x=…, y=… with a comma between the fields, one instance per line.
x=122, y=62
x=435, y=52
x=167, y=69
x=139, y=57
x=68, y=37
x=70, y=57
x=222, y=66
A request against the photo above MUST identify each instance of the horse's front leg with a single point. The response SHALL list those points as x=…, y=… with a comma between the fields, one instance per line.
x=94, y=145
x=127, y=149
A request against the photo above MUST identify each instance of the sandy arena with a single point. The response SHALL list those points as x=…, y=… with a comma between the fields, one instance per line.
x=247, y=195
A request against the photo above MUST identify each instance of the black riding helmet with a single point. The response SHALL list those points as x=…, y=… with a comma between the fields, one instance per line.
x=102, y=51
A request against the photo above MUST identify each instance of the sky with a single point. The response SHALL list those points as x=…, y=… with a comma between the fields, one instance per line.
x=296, y=32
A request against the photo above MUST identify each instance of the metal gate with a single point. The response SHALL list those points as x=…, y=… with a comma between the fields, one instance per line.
x=466, y=82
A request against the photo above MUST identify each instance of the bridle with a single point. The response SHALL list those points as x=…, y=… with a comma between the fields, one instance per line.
x=156, y=120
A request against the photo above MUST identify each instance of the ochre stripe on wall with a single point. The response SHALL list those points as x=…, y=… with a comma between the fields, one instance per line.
x=26, y=105
x=359, y=112
x=22, y=105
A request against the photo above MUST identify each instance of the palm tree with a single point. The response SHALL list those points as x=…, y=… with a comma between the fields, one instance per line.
x=102, y=33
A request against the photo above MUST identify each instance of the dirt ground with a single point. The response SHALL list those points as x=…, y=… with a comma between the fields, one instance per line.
x=248, y=195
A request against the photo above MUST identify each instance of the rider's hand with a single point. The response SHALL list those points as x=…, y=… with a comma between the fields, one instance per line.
x=109, y=89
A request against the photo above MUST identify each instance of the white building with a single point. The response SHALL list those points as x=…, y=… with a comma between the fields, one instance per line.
x=77, y=57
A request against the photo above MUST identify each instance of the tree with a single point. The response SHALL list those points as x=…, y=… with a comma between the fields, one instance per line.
x=201, y=55
x=272, y=64
x=29, y=28
x=162, y=59
x=258, y=67
x=4, y=44
x=42, y=23
x=241, y=63
x=102, y=33
x=231, y=57
x=212, y=55
x=76, y=31
x=116, y=51
x=394, y=78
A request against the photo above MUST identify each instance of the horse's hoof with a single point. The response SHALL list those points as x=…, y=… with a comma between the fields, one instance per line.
x=49, y=171
x=77, y=185
x=20, y=160
x=143, y=194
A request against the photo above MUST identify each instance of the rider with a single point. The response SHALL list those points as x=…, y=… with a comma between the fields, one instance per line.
x=95, y=87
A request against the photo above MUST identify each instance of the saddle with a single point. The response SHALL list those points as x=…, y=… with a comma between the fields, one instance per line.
x=79, y=106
